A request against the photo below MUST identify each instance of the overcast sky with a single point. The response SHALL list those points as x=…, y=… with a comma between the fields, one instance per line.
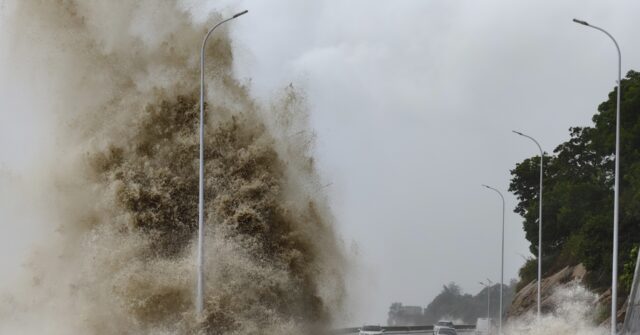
x=413, y=103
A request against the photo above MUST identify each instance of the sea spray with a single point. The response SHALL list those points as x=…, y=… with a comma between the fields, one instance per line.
x=573, y=313
x=122, y=81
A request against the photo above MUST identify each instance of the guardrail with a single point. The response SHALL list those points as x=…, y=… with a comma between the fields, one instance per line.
x=355, y=330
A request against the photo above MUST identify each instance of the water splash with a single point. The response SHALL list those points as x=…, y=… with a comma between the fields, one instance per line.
x=123, y=79
x=574, y=312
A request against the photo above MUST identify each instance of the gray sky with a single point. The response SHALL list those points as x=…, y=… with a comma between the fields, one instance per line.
x=413, y=103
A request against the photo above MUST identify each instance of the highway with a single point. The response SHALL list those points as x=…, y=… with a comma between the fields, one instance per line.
x=461, y=329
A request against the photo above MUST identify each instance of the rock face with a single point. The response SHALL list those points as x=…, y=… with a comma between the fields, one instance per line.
x=526, y=299
x=605, y=300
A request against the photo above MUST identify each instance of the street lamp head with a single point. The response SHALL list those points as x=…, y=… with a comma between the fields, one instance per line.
x=584, y=23
x=487, y=186
x=241, y=13
x=517, y=132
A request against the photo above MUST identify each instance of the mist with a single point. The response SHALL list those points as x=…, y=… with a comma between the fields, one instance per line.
x=406, y=108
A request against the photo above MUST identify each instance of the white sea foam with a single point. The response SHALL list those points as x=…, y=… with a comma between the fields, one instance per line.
x=574, y=313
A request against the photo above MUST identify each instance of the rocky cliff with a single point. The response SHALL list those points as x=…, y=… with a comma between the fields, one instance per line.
x=525, y=299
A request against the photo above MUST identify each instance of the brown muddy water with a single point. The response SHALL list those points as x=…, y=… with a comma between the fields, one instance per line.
x=122, y=84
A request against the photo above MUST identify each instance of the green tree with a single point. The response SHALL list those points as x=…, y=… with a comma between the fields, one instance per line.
x=453, y=303
x=578, y=191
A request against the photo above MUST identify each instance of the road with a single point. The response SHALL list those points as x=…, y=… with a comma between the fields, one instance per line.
x=461, y=329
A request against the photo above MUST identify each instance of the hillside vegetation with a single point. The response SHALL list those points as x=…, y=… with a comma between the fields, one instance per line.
x=455, y=305
x=578, y=195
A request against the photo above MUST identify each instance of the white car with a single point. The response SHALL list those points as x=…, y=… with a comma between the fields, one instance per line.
x=371, y=330
x=442, y=324
x=446, y=331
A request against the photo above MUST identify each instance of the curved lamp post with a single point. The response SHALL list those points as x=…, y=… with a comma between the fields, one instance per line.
x=502, y=259
x=539, y=217
x=200, y=261
x=616, y=187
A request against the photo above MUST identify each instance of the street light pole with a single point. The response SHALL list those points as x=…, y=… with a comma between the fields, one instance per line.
x=502, y=259
x=200, y=260
x=616, y=187
x=539, y=218
x=488, y=287
x=489, y=302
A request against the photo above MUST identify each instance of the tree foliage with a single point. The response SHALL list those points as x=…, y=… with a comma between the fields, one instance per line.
x=453, y=304
x=578, y=191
